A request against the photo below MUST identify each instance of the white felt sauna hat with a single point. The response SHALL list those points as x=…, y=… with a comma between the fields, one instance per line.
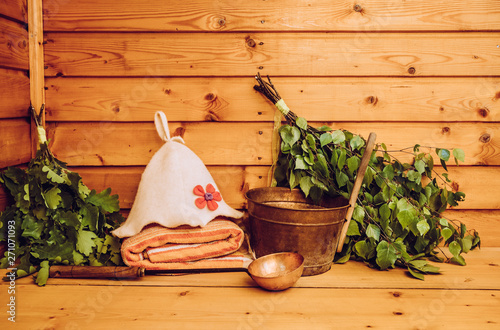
x=175, y=189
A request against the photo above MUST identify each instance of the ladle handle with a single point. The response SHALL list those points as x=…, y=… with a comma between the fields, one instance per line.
x=126, y=272
x=357, y=185
x=95, y=272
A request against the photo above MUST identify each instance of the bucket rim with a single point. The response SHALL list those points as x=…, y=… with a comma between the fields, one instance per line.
x=322, y=209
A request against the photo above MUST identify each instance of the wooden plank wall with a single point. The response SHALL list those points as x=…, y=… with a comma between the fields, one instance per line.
x=422, y=72
x=15, y=141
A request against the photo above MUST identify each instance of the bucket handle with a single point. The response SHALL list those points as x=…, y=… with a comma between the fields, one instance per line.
x=357, y=185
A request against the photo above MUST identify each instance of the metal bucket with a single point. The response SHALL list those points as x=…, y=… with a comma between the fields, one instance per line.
x=283, y=220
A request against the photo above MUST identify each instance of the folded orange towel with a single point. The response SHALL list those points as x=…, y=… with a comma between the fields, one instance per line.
x=185, y=247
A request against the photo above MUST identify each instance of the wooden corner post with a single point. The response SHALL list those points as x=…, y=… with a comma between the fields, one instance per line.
x=36, y=63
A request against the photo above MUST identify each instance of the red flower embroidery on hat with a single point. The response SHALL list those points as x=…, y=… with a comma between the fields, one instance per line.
x=209, y=198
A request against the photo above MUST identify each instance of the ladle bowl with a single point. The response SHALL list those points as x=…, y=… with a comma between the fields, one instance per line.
x=277, y=271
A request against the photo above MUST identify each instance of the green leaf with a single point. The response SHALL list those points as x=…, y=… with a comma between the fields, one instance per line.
x=325, y=139
x=455, y=248
x=459, y=155
x=341, y=178
x=85, y=242
x=365, y=250
x=43, y=273
x=353, y=164
x=301, y=123
x=459, y=260
x=423, y=227
x=306, y=184
x=406, y=218
x=300, y=164
x=443, y=222
x=420, y=166
x=466, y=243
x=68, y=218
x=324, y=128
x=443, y=154
x=353, y=229
x=384, y=211
x=104, y=200
x=342, y=158
x=386, y=255
x=416, y=274
x=53, y=176
x=78, y=259
x=289, y=134
x=358, y=214
x=446, y=233
x=372, y=231
x=414, y=176
x=322, y=166
x=338, y=136
x=52, y=198
x=90, y=214
x=32, y=228
x=388, y=172
x=357, y=142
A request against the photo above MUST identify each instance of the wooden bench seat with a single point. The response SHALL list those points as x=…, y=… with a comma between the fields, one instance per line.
x=348, y=296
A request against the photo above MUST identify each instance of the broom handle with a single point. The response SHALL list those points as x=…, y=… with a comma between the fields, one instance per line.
x=357, y=185
x=95, y=272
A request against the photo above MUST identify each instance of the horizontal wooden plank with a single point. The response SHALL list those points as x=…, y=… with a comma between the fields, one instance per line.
x=281, y=15
x=14, y=93
x=15, y=144
x=295, y=54
x=234, y=181
x=13, y=45
x=107, y=143
x=99, y=307
x=233, y=99
x=15, y=9
x=481, y=273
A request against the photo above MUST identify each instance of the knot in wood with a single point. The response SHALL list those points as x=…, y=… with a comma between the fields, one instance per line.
x=485, y=138
x=411, y=70
x=483, y=112
x=251, y=43
x=357, y=8
x=445, y=130
x=221, y=22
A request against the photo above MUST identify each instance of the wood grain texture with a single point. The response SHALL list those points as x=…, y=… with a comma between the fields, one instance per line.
x=14, y=94
x=234, y=181
x=233, y=99
x=13, y=45
x=280, y=15
x=481, y=273
x=15, y=9
x=295, y=54
x=15, y=144
x=106, y=143
x=192, y=307
x=35, y=30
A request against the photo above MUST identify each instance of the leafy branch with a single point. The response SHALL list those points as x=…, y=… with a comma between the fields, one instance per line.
x=55, y=218
x=397, y=219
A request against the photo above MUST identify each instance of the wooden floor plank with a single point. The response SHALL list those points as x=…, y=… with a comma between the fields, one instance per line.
x=104, y=307
x=481, y=273
x=233, y=99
